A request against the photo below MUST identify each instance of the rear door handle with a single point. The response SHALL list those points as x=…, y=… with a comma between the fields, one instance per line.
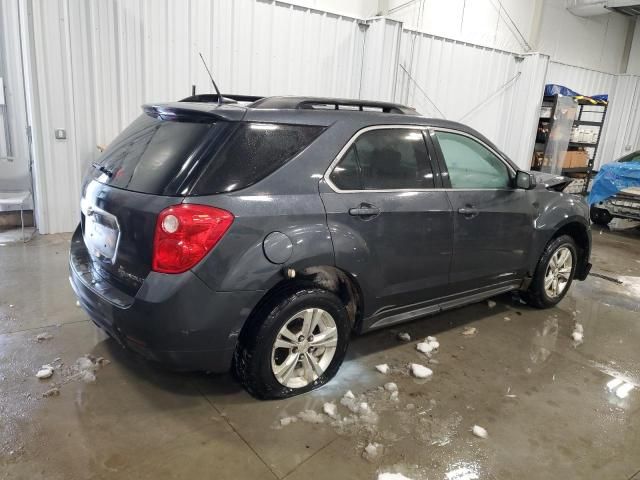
x=364, y=210
x=468, y=211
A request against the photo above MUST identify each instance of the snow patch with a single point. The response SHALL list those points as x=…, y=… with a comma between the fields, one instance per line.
x=478, y=431
x=578, y=334
x=469, y=331
x=404, y=336
x=287, y=420
x=429, y=345
x=45, y=372
x=373, y=451
x=420, y=371
x=330, y=409
x=391, y=387
x=491, y=303
x=311, y=416
x=383, y=368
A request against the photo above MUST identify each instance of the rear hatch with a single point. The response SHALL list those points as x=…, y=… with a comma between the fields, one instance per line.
x=171, y=152
x=148, y=167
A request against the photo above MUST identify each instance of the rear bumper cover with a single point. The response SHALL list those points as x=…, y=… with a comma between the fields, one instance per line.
x=174, y=319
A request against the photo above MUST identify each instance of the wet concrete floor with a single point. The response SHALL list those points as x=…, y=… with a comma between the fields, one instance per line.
x=543, y=399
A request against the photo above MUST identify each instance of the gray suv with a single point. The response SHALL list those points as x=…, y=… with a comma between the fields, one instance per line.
x=259, y=237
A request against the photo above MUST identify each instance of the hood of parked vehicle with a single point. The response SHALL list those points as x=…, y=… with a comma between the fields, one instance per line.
x=551, y=181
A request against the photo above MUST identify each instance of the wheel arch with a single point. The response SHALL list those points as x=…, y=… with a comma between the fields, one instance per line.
x=581, y=235
x=326, y=277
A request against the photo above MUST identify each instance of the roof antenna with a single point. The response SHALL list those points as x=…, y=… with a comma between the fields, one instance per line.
x=212, y=80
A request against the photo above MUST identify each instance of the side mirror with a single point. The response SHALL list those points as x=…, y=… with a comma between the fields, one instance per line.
x=525, y=180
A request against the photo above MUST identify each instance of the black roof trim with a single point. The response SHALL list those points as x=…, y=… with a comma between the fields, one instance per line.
x=308, y=103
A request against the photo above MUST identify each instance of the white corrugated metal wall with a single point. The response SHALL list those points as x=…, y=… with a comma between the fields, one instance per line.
x=621, y=134
x=496, y=92
x=101, y=59
x=581, y=80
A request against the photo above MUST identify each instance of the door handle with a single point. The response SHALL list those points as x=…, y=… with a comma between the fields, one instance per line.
x=468, y=212
x=364, y=210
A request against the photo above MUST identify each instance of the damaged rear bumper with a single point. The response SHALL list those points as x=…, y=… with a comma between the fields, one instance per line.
x=174, y=319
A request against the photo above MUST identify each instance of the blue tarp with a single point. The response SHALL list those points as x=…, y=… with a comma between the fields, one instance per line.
x=612, y=178
x=553, y=89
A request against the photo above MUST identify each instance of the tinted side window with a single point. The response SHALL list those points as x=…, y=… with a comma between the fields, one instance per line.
x=386, y=159
x=470, y=164
x=253, y=151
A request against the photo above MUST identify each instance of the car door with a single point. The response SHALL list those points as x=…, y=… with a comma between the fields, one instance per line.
x=391, y=228
x=492, y=220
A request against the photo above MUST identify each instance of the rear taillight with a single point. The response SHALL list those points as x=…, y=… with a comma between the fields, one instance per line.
x=185, y=234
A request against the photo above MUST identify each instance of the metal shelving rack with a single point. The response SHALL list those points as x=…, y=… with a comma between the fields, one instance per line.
x=551, y=101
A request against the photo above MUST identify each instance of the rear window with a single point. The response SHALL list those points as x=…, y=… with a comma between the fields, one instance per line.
x=149, y=156
x=253, y=151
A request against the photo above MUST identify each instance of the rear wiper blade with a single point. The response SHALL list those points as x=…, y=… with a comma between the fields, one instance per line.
x=104, y=170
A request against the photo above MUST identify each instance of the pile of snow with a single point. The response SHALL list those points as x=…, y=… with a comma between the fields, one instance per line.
x=404, y=336
x=491, y=303
x=478, y=431
x=45, y=372
x=373, y=451
x=310, y=416
x=394, y=396
x=383, y=368
x=330, y=409
x=507, y=319
x=420, y=371
x=44, y=336
x=578, y=334
x=361, y=409
x=469, y=331
x=288, y=420
x=429, y=345
x=392, y=476
x=85, y=368
x=391, y=387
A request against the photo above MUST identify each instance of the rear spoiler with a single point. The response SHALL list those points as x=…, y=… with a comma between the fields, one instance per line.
x=199, y=113
x=225, y=98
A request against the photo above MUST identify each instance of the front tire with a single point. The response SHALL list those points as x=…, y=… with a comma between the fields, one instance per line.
x=554, y=273
x=600, y=216
x=294, y=344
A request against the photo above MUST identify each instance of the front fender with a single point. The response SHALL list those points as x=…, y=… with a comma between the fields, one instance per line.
x=559, y=211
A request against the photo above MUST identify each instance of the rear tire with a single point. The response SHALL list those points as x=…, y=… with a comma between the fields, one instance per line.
x=294, y=344
x=600, y=216
x=554, y=273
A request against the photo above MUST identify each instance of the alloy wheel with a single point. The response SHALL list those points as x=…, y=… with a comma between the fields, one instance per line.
x=558, y=272
x=304, y=347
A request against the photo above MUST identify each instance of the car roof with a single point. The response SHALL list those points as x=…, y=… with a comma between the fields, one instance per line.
x=301, y=110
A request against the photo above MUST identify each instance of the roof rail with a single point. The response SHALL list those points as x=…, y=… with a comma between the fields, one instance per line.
x=226, y=98
x=319, y=103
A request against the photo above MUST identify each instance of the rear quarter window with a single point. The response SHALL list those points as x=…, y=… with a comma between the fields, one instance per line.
x=253, y=151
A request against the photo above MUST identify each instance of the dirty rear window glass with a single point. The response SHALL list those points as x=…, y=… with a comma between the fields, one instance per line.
x=254, y=151
x=150, y=154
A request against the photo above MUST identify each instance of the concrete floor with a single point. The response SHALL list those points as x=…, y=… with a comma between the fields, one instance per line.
x=139, y=421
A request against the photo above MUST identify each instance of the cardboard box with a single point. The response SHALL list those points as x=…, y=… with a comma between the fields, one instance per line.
x=575, y=159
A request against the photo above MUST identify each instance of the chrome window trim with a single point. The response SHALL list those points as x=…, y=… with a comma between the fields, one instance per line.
x=424, y=128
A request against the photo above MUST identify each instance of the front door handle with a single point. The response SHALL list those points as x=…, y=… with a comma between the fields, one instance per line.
x=365, y=210
x=468, y=211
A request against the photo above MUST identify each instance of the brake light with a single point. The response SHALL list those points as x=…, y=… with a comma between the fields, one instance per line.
x=185, y=233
